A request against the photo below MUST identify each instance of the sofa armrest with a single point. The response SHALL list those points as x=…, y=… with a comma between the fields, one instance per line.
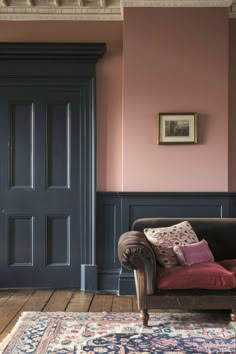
x=135, y=253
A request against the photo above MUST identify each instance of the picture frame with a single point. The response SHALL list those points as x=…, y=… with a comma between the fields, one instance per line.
x=177, y=128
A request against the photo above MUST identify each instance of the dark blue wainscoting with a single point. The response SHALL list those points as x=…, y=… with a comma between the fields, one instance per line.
x=116, y=212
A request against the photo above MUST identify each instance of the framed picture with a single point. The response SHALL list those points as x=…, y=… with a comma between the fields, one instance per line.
x=177, y=128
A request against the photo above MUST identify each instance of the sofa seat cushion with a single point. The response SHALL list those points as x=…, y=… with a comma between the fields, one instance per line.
x=229, y=264
x=204, y=275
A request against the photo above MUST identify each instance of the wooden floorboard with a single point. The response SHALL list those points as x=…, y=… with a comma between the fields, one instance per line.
x=12, y=306
x=122, y=304
x=101, y=303
x=80, y=302
x=36, y=302
x=59, y=300
x=14, y=302
x=5, y=295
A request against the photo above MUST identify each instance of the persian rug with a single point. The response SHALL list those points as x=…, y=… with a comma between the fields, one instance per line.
x=121, y=333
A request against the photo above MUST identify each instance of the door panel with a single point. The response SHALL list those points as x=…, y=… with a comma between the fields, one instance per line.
x=41, y=163
x=58, y=145
x=21, y=139
x=20, y=240
x=58, y=240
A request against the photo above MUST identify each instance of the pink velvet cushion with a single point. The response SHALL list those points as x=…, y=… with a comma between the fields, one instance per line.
x=229, y=264
x=204, y=275
x=193, y=253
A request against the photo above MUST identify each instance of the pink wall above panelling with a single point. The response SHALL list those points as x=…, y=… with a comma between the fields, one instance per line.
x=175, y=60
x=232, y=105
x=109, y=82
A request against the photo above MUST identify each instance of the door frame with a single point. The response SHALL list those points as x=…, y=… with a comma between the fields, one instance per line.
x=63, y=64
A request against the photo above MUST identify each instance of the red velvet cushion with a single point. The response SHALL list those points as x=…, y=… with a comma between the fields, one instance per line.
x=229, y=264
x=204, y=275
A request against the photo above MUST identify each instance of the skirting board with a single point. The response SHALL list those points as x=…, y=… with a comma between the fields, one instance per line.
x=126, y=284
x=89, y=277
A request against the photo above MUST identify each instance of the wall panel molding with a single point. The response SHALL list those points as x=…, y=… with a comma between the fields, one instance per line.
x=108, y=231
x=116, y=211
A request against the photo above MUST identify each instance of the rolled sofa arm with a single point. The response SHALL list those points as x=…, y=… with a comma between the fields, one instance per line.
x=135, y=253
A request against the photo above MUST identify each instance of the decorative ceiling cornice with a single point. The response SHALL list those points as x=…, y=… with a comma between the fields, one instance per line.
x=232, y=13
x=176, y=3
x=60, y=10
x=91, y=9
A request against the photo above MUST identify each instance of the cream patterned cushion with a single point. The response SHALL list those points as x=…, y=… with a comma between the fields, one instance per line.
x=163, y=239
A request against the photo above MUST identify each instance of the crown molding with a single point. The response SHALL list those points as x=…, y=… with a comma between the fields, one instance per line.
x=60, y=10
x=108, y=10
x=80, y=52
x=232, y=13
x=176, y=3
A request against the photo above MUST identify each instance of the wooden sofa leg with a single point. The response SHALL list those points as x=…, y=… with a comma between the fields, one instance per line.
x=233, y=315
x=144, y=316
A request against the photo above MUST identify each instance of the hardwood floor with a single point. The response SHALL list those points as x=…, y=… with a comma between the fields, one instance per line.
x=13, y=302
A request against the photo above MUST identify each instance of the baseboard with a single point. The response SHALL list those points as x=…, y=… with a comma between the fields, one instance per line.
x=108, y=279
x=89, y=277
x=126, y=284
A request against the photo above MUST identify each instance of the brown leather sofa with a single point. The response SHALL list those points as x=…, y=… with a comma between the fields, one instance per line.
x=136, y=253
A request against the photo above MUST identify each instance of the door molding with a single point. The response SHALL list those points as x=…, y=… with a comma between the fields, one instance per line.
x=67, y=64
x=61, y=52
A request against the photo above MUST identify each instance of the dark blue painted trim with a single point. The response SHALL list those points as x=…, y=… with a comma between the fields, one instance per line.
x=168, y=194
x=77, y=52
x=88, y=277
x=64, y=67
x=108, y=279
x=116, y=212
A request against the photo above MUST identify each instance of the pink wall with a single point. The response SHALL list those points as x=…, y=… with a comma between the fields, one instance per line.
x=109, y=83
x=232, y=105
x=175, y=60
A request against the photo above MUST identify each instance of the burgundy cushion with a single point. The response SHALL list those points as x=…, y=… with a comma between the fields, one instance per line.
x=204, y=275
x=193, y=253
x=229, y=264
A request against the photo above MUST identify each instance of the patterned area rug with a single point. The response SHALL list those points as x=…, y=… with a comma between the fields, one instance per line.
x=76, y=332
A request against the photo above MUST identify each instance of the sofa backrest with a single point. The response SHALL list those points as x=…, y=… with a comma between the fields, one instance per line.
x=220, y=233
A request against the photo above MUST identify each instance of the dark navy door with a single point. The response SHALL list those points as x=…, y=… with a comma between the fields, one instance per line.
x=42, y=139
